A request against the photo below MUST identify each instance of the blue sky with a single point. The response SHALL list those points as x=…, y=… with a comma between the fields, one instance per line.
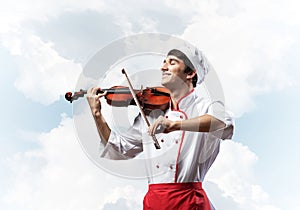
x=44, y=46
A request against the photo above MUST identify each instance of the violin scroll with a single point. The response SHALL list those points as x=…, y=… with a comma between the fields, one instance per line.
x=70, y=97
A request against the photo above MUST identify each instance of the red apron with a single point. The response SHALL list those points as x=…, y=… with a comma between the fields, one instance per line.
x=176, y=196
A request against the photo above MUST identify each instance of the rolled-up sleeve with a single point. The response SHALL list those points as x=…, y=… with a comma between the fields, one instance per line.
x=124, y=145
x=217, y=110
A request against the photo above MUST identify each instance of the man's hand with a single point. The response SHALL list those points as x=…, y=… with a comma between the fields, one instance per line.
x=162, y=125
x=94, y=100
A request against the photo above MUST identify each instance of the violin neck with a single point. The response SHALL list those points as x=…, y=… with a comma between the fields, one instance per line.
x=110, y=91
x=115, y=91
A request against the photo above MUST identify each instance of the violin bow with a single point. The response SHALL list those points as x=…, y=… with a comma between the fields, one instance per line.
x=156, y=144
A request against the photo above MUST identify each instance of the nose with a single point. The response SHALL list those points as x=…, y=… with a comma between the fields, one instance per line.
x=164, y=67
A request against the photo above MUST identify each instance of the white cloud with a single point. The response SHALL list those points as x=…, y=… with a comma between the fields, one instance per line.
x=58, y=175
x=43, y=74
x=16, y=12
x=233, y=173
x=246, y=48
x=246, y=44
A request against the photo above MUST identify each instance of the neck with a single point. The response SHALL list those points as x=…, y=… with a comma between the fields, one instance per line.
x=177, y=93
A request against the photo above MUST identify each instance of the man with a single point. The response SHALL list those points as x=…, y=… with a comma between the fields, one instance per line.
x=191, y=126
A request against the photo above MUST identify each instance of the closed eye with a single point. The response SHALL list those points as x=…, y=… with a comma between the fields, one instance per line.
x=173, y=61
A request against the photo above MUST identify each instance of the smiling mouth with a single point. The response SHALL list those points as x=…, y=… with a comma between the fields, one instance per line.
x=165, y=75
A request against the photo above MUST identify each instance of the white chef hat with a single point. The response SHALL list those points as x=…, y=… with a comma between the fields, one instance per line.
x=193, y=58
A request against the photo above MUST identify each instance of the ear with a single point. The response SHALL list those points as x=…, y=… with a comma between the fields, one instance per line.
x=191, y=74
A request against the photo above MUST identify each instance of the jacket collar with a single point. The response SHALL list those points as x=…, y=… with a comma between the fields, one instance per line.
x=184, y=101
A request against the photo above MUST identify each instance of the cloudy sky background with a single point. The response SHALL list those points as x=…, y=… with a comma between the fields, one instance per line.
x=253, y=45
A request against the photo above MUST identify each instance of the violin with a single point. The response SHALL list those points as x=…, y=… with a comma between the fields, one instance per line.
x=150, y=98
x=146, y=100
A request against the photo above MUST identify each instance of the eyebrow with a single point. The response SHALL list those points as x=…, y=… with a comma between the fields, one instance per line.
x=171, y=59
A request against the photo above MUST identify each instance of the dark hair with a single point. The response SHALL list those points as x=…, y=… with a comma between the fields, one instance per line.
x=195, y=77
x=189, y=67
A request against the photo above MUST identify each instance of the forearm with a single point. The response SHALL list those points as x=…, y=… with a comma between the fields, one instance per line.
x=102, y=126
x=93, y=99
x=204, y=123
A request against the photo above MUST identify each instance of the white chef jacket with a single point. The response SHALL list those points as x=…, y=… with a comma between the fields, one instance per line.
x=184, y=156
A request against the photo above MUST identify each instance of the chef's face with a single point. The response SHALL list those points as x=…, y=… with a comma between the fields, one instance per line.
x=173, y=71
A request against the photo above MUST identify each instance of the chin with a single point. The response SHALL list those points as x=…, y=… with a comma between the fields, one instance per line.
x=164, y=83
